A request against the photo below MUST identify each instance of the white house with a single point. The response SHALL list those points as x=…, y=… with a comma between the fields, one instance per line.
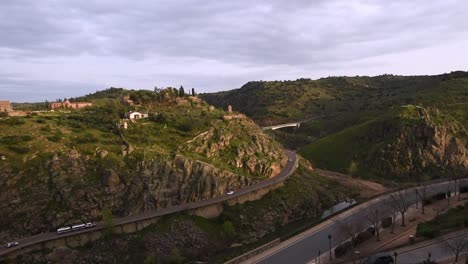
x=135, y=115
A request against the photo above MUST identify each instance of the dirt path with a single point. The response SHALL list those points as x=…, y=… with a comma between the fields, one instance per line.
x=366, y=188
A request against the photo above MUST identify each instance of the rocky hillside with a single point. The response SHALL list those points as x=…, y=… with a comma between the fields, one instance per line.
x=409, y=143
x=66, y=167
x=180, y=238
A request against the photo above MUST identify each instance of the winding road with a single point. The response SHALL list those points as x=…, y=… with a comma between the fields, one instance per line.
x=44, y=237
x=305, y=247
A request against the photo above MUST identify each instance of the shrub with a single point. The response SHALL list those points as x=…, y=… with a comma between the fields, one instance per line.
x=464, y=189
x=14, y=121
x=19, y=149
x=56, y=137
x=342, y=249
x=86, y=138
x=439, y=196
x=15, y=139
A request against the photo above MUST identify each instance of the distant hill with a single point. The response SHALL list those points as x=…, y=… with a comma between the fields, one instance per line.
x=363, y=132
x=276, y=102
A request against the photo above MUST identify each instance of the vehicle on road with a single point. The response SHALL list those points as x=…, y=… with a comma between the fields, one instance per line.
x=62, y=230
x=290, y=160
x=230, y=192
x=90, y=224
x=380, y=258
x=78, y=227
x=12, y=244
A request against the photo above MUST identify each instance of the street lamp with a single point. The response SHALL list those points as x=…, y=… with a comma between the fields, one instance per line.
x=319, y=253
x=429, y=258
x=396, y=255
x=329, y=246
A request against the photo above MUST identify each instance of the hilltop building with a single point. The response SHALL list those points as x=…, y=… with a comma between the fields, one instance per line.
x=135, y=115
x=5, y=106
x=68, y=105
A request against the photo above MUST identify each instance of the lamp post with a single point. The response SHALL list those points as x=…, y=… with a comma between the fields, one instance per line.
x=429, y=258
x=329, y=246
x=396, y=255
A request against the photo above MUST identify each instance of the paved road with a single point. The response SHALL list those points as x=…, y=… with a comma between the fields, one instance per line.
x=286, y=172
x=306, y=248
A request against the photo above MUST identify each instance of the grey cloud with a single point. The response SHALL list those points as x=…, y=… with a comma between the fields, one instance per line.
x=260, y=32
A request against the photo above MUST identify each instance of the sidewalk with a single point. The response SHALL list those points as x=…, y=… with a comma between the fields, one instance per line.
x=400, y=236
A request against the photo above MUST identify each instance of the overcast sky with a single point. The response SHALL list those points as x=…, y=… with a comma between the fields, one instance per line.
x=53, y=49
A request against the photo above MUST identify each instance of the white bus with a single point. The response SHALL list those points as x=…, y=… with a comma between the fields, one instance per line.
x=63, y=230
x=77, y=227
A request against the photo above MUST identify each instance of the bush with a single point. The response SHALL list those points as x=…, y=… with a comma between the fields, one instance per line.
x=56, y=137
x=14, y=121
x=439, y=196
x=427, y=230
x=19, y=149
x=87, y=138
x=342, y=249
x=463, y=189
x=15, y=139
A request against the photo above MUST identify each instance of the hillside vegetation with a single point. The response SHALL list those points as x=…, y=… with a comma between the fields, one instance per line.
x=67, y=166
x=392, y=127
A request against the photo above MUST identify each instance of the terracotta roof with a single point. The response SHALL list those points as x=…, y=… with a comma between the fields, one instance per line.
x=4, y=102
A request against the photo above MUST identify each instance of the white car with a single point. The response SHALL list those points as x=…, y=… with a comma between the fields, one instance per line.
x=290, y=160
x=90, y=224
x=230, y=192
x=12, y=244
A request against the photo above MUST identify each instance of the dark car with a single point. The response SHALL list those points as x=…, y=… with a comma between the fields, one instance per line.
x=380, y=258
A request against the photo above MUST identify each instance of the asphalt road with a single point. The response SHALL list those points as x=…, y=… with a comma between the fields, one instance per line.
x=286, y=172
x=307, y=249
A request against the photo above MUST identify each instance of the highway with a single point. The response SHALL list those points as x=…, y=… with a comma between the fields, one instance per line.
x=285, y=173
x=305, y=247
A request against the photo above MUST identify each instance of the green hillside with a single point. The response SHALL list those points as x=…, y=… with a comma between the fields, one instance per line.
x=68, y=166
x=363, y=119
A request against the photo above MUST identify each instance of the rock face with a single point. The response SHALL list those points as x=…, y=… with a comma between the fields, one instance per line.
x=428, y=145
x=70, y=189
x=253, y=151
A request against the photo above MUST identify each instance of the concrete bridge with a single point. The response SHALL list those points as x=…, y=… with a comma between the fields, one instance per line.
x=210, y=208
x=294, y=124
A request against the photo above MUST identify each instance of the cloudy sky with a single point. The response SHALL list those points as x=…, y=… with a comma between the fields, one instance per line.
x=52, y=49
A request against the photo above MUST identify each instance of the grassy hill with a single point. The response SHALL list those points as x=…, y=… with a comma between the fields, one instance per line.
x=67, y=166
x=356, y=110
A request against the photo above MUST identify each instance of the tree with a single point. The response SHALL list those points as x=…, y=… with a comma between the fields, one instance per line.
x=193, y=92
x=374, y=217
x=228, y=230
x=108, y=220
x=457, y=245
x=400, y=204
x=181, y=91
x=421, y=192
x=350, y=231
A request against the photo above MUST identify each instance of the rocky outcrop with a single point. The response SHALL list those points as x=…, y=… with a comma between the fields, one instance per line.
x=254, y=151
x=425, y=143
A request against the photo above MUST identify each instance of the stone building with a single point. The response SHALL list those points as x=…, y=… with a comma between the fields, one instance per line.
x=69, y=105
x=5, y=106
